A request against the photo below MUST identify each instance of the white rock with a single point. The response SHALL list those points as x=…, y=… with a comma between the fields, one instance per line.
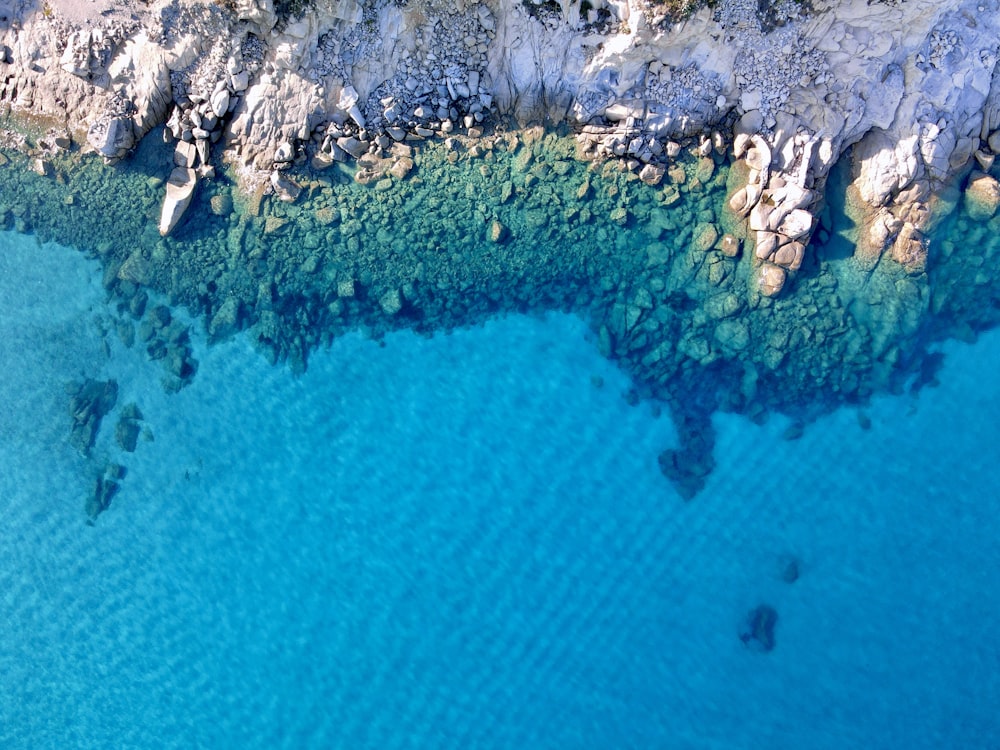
x=284, y=153
x=180, y=188
x=185, y=154
x=240, y=81
x=286, y=190
x=797, y=224
x=220, y=102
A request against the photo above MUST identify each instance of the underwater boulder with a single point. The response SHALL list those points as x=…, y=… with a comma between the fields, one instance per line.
x=757, y=633
x=982, y=197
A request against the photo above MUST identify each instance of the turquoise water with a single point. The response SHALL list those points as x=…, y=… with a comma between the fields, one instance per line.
x=465, y=541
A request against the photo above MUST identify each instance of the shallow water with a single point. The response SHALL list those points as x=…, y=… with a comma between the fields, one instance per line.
x=465, y=541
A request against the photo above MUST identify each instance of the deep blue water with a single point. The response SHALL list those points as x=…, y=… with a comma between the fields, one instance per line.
x=465, y=542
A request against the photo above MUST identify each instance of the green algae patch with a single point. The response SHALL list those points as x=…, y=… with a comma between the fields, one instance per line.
x=518, y=224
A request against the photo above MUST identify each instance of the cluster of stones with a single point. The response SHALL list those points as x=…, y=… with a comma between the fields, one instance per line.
x=441, y=89
x=196, y=124
x=678, y=97
x=772, y=66
x=650, y=156
x=90, y=401
x=776, y=206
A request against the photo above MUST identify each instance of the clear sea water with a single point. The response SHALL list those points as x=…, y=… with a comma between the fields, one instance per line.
x=465, y=542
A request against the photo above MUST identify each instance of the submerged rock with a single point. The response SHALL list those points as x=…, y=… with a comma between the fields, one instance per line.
x=982, y=197
x=104, y=488
x=757, y=632
x=89, y=402
x=497, y=231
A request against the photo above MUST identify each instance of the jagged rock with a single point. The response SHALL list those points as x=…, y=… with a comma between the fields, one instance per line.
x=652, y=174
x=41, y=167
x=285, y=153
x=286, y=190
x=346, y=288
x=733, y=335
x=984, y=159
x=704, y=237
x=260, y=12
x=180, y=188
x=391, y=302
x=758, y=157
x=104, y=488
x=127, y=433
x=321, y=161
x=226, y=320
x=401, y=167
x=883, y=167
x=766, y=244
x=221, y=204
x=240, y=82
x=185, y=155
x=111, y=137
x=796, y=224
x=136, y=268
x=353, y=146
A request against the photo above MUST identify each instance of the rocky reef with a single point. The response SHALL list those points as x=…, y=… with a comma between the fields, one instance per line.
x=759, y=207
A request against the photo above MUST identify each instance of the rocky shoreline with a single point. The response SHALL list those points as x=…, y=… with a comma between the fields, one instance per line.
x=695, y=208
x=913, y=86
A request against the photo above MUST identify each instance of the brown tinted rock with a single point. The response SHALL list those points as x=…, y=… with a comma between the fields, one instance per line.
x=770, y=279
x=790, y=255
x=498, y=232
x=729, y=246
x=982, y=196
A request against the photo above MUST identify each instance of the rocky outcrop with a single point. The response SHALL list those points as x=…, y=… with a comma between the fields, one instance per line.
x=912, y=87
